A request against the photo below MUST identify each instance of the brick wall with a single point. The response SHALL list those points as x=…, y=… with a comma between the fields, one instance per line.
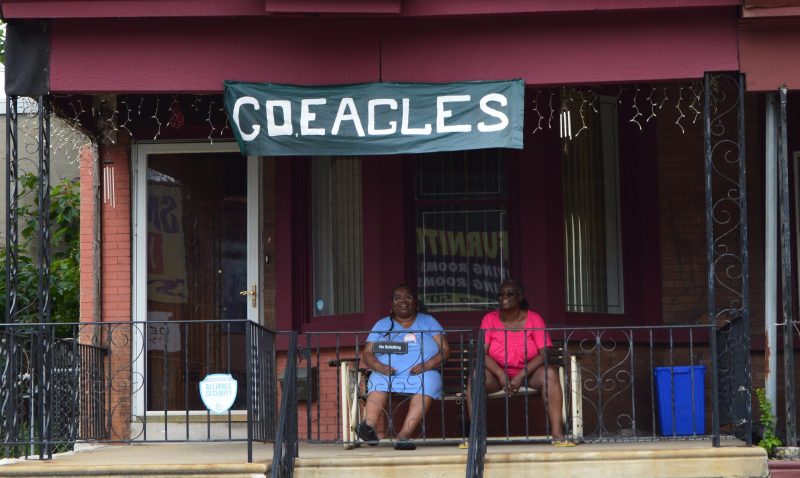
x=87, y=158
x=682, y=219
x=115, y=295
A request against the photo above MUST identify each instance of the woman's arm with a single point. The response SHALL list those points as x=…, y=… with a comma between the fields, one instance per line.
x=495, y=369
x=371, y=361
x=437, y=359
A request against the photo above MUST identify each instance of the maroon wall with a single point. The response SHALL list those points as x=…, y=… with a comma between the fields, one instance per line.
x=196, y=54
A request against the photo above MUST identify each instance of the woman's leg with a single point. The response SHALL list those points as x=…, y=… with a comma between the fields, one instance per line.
x=491, y=384
x=418, y=405
x=376, y=404
x=554, y=397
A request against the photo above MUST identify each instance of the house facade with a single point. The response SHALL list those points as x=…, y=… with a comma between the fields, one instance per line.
x=607, y=212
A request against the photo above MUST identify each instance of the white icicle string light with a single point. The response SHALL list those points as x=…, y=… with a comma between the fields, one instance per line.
x=578, y=100
x=593, y=103
x=210, y=122
x=581, y=113
x=663, y=99
x=227, y=124
x=124, y=101
x=696, y=99
x=538, y=113
x=155, y=117
x=680, y=112
x=653, y=104
x=636, y=113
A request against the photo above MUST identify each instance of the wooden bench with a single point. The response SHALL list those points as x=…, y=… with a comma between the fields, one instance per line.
x=455, y=377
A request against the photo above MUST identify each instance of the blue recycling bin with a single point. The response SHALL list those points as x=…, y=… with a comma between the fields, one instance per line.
x=674, y=397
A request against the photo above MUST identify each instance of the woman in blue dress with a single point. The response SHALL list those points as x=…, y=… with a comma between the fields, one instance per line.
x=413, y=371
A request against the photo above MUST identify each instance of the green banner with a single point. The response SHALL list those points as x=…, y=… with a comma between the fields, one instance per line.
x=374, y=118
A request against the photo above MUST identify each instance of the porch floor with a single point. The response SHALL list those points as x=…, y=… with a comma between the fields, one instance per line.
x=223, y=459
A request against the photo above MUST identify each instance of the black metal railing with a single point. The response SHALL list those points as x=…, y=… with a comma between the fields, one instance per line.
x=137, y=382
x=333, y=390
x=619, y=384
x=477, y=431
x=262, y=389
x=286, y=445
x=126, y=382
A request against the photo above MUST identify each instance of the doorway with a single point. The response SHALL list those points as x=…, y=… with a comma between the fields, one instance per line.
x=198, y=268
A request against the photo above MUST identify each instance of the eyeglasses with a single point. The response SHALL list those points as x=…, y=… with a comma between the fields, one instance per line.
x=401, y=298
x=506, y=293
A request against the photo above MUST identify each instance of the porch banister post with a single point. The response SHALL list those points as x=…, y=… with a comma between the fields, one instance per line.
x=786, y=275
x=251, y=361
x=712, y=298
x=744, y=241
x=771, y=249
x=12, y=209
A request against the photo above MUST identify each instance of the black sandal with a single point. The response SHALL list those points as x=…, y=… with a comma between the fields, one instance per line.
x=367, y=434
x=404, y=444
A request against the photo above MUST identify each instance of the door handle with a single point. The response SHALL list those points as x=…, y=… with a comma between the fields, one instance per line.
x=252, y=293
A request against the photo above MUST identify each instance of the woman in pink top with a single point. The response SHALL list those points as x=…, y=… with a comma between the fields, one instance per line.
x=516, y=357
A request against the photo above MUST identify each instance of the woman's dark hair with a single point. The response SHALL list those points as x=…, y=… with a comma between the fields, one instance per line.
x=410, y=290
x=517, y=285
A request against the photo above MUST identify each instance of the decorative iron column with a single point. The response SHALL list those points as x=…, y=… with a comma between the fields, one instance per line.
x=786, y=273
x=46, y=339
x=12, y=209
x=727, y=250
x=10, y=396
x=44, y=208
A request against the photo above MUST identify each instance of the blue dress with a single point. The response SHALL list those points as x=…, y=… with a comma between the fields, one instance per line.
x=421, y=347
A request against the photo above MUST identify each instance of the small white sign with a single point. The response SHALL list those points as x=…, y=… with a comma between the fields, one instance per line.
x=162, y=335
x=218, y=392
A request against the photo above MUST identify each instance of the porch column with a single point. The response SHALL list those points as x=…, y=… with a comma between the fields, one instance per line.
x=727, y=252
x=771, y=249
x=786, y=273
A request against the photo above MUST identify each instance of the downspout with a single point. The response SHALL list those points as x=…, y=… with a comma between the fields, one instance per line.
x=97, y=228
x=771, y=249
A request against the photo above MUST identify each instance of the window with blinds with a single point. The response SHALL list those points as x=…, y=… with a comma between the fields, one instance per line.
x=336, y=235
x=593, y=249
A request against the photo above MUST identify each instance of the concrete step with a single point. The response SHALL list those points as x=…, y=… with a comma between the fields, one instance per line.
x=727, y=462
x=54, y=469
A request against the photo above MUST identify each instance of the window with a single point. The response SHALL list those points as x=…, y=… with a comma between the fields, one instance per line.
x=462, y=229
x=593, y=246
x=336, y=235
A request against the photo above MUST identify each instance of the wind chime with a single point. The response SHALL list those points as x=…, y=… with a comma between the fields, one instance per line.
x=109, y=194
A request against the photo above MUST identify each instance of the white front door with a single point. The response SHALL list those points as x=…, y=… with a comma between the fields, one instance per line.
x=197, y=264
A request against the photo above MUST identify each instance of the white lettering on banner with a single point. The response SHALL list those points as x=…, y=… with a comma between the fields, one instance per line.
x=279, y=116
x=371, y=129
x=284, y=129
x=306, y=117
x=349, y=104
x=442, y=114
x=246, y=100
x=498, y=98
x=404, y=129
